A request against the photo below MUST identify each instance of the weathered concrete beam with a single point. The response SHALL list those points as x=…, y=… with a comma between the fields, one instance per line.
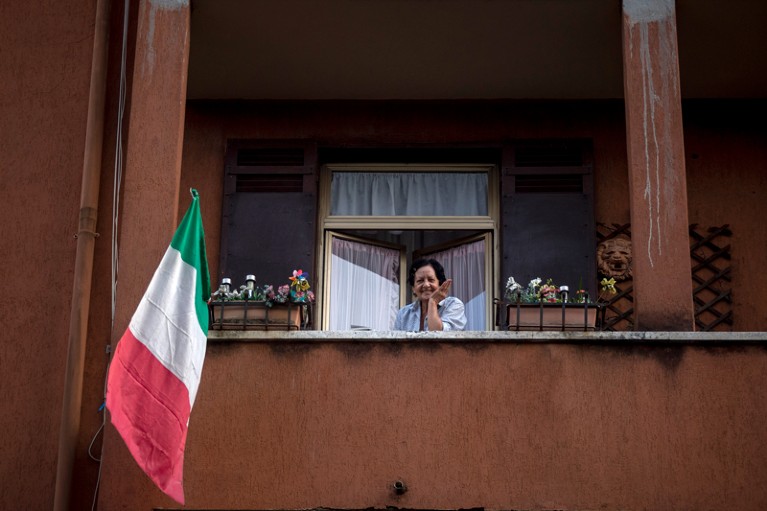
x=657, y=178
x=151, y=183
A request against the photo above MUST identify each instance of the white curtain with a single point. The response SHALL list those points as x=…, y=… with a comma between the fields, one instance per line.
x=409, y=194
x=364, y=286
x=465, y=264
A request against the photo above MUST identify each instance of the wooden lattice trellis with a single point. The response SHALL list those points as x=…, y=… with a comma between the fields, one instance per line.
x=711, y=277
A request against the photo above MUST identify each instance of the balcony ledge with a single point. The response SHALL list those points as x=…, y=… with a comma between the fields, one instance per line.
x=617, y=338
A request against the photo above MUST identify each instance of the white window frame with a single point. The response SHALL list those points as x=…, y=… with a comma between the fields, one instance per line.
x=488, y=223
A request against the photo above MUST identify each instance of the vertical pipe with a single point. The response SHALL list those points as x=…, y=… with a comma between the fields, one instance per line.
x=81, y=288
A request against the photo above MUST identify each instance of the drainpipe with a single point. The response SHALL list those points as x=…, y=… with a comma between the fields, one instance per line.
x=86, y=240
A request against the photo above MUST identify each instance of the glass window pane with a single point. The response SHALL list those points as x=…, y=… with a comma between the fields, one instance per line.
x=364, y=286
x=409, y=194
x=465, y=264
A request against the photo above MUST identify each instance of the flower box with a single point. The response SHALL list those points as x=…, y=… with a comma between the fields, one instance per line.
x=548, y=317
x=253, y=315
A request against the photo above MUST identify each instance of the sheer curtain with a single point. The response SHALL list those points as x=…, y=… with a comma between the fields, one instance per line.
x=364, y=286
x=409, y=194
x=465, y=264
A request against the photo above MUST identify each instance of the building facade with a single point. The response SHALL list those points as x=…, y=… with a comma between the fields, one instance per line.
x=575, y=122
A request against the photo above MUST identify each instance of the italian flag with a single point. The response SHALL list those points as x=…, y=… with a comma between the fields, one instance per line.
x=155, y=373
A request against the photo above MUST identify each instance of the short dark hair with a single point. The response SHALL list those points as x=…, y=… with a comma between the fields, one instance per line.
x=420, y=263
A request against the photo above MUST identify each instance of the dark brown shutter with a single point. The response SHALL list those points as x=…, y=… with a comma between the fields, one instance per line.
x=548, y=213
x=270, y=203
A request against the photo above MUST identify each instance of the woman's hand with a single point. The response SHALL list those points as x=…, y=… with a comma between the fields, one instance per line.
x=441, y=293
x=435, y=322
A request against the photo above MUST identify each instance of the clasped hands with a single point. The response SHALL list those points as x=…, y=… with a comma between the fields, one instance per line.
x=441, y=293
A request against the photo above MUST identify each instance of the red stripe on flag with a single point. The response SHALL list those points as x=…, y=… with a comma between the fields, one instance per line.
x=150, y=409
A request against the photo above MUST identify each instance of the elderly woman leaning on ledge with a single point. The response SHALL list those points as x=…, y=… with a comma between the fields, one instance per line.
x=433, y=309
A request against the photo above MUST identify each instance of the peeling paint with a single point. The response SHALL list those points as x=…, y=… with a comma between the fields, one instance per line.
x=646, y=11
x=154, y=6
x=150, y=54
x=642, y=16
x=650, y=135
x=169, y=5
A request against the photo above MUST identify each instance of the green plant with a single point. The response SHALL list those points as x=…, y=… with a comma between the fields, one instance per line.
x=295, y=292
x=538, y=291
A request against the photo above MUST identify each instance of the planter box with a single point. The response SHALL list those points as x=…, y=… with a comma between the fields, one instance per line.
x=241, y=315
x=551, y=317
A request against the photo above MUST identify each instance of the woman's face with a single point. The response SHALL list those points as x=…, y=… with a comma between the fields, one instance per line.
x=425, y=282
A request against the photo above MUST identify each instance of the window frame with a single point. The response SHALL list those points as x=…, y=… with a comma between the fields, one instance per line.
x=327, y=258
x=489, y=223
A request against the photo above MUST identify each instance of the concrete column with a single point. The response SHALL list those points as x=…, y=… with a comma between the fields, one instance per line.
x=150, y=199
x=657, y=180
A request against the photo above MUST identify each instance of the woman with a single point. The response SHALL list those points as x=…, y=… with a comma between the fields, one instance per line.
x=432, y=310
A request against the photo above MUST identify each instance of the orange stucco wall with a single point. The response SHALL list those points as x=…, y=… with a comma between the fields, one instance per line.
x=297, y=425
x=44, y=80
x=280, y=425
x=500, y=425
x=726, y=150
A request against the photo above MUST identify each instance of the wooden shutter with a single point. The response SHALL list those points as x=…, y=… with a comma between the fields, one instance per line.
x=269, y=210
x=548, y=213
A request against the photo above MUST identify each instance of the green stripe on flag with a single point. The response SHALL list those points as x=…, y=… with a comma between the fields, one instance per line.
x=189, y=240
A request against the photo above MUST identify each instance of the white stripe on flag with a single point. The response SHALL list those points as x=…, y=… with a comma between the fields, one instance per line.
x=166, y=321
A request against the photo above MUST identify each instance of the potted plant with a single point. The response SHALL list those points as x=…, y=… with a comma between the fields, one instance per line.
x=255, y=307
x=545, y=306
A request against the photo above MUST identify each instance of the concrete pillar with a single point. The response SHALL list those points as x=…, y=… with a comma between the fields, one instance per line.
x=150, y=197
x=657, y=179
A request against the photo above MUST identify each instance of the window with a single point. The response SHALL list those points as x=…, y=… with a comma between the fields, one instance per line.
x=408, y=193
x=375, y=219
x=364, y=283
x=465, y=261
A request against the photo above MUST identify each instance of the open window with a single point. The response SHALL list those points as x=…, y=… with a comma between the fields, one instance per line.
x=363, y=282
x=374, y=215
x=466, y=262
